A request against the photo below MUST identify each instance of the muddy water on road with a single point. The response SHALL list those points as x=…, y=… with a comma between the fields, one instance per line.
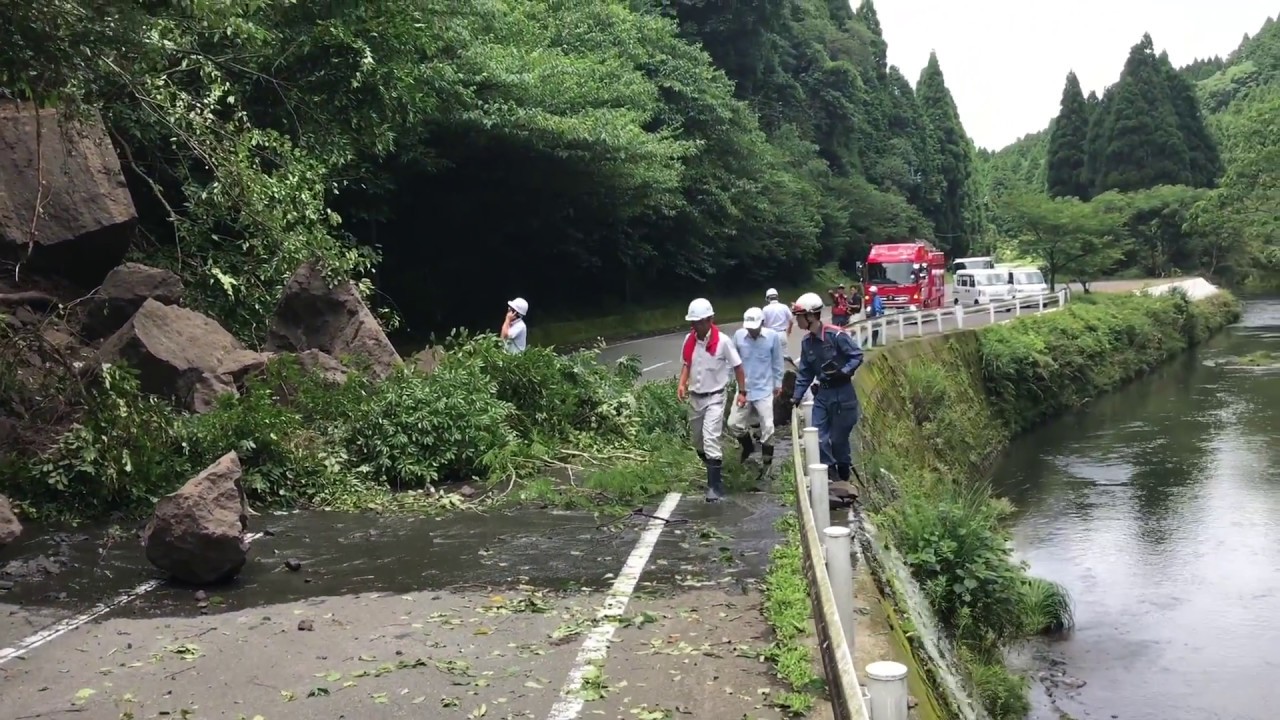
x=1159, y=509
x=346, y=554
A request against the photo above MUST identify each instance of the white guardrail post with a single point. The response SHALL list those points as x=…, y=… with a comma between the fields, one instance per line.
x=838, y=542
x=887, y=685
x=818, y=495
x=811, y=450
x=806, y=412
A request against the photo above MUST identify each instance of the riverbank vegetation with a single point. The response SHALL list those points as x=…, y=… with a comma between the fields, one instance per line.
x=483, y=416
x=1083, y=197
x=936, y=413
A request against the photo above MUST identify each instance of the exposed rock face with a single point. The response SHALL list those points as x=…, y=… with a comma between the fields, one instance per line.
x=314, y=316
x=10, y=528
x=171, y=347
x=86, y=216
x=123, y=291
x=197, y=534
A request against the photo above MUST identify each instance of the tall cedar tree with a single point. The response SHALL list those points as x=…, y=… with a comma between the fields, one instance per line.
x=1139, y=143
x=1067, y=144
x=1205, y=164
x=956, y=159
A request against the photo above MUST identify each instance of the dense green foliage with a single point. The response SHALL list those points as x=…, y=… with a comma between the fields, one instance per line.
x=621, y=151
x=939, y=409
x=483, y=415
x=1185, y=161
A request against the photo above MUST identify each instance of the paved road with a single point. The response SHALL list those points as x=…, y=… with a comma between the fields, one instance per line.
x=660, y=356
x=412, y=617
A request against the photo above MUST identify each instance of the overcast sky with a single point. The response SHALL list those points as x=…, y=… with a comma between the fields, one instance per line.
x=1005, y=60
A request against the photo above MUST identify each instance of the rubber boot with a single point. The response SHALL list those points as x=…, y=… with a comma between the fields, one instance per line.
x=715, y=483
x=766, y=474
x=842, y=472
x=748, y=446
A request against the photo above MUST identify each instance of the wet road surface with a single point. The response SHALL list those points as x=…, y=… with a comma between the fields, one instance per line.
x=1158, y=508
x=482, y=610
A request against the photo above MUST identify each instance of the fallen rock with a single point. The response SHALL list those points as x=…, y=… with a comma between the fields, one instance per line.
x=314, y=316
x=426, y=361
x=324, y=365
x=123, y=291
x=69, y=171
x=239, y=364
x=197, y=534
x=172, y=348
x=206, y=391
x=10, y=528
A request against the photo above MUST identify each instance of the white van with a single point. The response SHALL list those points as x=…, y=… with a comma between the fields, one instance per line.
x=1028, y=282
x=981, y=287
x=972, y=263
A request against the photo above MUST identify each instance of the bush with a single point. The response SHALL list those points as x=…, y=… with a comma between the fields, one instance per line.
x=482, y=415
x=1042, y=366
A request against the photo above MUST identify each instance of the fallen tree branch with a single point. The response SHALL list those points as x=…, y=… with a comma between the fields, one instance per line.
x=30, y=297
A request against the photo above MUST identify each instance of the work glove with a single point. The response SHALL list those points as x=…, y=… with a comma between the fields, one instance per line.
x=797, y=401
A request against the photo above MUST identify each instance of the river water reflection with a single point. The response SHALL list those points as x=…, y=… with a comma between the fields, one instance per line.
x=1159, y=509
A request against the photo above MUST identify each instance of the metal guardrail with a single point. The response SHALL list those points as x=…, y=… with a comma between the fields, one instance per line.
x=905, y=322
x=827, y=549
x=834, y=639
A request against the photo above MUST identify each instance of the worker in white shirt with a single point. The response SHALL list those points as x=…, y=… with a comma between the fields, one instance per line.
x=761, y=354
x=709, y=360
x=514, y=333
x=777, y=317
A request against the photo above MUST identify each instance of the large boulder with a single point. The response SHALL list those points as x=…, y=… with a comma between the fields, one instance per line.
x=171, y=347
x=197, y=534
x=123, y=291
x=10, y=528
x=313, y=315
x=63, y=179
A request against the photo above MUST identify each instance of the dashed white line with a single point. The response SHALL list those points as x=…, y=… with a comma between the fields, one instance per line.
x=594, y=648
x=62, y=627
x=655, y=367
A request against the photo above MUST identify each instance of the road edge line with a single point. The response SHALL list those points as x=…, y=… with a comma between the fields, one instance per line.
x=57, y=629
x=596, y=646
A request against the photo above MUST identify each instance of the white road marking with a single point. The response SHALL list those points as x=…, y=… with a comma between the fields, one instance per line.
x=62, y=627
x=655, y=367
x=594, y=648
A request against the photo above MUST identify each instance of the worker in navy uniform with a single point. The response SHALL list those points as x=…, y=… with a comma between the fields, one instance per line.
x=828, y=359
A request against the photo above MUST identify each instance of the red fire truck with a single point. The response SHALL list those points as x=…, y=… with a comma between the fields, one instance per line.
x=908, y=275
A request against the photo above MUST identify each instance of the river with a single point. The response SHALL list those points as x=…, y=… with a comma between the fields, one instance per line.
x=1158, y=508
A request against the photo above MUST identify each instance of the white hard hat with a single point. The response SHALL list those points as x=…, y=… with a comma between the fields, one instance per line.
x=520, y=305
x=807, y=303
x=771, y=294
x=874, y=289
x=753, y=318
x=699, y=309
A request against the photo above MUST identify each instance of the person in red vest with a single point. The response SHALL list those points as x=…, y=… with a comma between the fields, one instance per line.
x=710, y=360
x=839, y=306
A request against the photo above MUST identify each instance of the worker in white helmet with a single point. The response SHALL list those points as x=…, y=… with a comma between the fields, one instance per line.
x=709, y=360
x=777, y=316
x=514, y=333
x=828, y=359
x=761, y=353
